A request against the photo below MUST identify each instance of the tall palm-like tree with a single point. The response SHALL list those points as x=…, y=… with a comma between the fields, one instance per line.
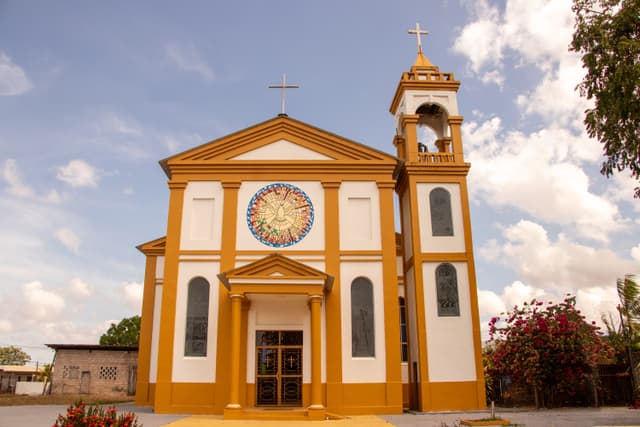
x=629, y=310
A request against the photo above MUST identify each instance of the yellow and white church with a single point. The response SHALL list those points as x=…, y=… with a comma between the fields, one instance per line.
x=282, y=284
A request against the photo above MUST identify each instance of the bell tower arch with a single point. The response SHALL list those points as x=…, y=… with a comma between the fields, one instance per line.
x=445, y=354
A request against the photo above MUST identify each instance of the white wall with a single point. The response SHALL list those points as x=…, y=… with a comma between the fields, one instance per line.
x=449, y=339
x=155, y=334
x=428, y=242
x=282, y=150
x=282, y=313
x=32, y=388
x=159, y=268
x=202, y=216
x=362, y=369
x=195, y=369
x=359, y=216
x=314, y=240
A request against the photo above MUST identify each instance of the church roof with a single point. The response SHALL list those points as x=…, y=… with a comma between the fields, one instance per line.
x=229, y=153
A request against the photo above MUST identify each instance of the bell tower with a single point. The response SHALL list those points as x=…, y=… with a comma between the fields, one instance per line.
x=445, y=353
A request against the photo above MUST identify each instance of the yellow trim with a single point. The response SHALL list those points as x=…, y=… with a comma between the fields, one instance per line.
x=333, y=319
x=163, y=395
x=143, y=397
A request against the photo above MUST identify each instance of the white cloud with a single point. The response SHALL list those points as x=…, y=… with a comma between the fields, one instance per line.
x=635, y=253
x=78, y=173
x=79, y=288
x=187, y=58
x=560, y=265
x=5, y=326
x=69, y=239
x=132, y=292
x=18, y=188
x=12, y=177
x=112, y=122
x=13, y=79
x=41, y=304
x=538, y=174
x=490, y=303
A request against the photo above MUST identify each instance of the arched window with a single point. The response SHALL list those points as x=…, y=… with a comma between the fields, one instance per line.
x=447, y=290
x=195, y=341
x=440, y=205
x=404, y=354
x=362, y=329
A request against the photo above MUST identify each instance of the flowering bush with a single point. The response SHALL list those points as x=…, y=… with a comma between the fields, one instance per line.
x=81, y=415
x=551, y=348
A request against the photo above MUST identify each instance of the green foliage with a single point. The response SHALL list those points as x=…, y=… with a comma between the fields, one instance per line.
x=607, y=35
x=81, y=415
x=550, y=348
x=13, y=356
x=45, y=373
x=127, y=332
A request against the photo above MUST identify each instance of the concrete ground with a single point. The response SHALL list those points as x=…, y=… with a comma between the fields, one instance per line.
x=45, y=415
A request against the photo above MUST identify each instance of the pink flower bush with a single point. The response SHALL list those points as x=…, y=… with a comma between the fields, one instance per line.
x=81, y=415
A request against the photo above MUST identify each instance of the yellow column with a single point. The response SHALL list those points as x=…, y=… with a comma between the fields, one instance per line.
x=143, y=395
x=164, y=384
x=455, y=122
x=236, y=330
x=316, y=353
x=410, y=124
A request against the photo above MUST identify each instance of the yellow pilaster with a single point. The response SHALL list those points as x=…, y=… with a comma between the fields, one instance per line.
x=227, y=262
x=410, y=124
x=315, y=302
x=234, y=371
x=390, y=292
x=169, y=292
x=332, y=299
x=146, y=330
x=455, y=122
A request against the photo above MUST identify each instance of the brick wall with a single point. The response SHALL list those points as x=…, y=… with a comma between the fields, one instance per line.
x=98, y=372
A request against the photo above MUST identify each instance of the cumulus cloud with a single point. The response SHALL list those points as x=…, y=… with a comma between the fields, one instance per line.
x=556, y=265
x=18, y=188
x=80, y=288
x=41, y=303
x=537, y=173
x=187, y=58
x=69, y=239
x=635, y=253
x=132, y=292
x=13, y=79
x=78, y=173
x=5, y=326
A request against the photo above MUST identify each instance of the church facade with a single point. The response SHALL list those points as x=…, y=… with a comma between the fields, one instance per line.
x=281, y=282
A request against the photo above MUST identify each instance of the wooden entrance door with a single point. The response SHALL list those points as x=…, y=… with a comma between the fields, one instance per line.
x=279, y=368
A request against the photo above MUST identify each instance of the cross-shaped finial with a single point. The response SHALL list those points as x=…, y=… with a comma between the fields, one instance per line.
x=284, y=87
x=417, y=31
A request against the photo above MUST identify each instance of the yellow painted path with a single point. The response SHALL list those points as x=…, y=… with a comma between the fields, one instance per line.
x=217, y=421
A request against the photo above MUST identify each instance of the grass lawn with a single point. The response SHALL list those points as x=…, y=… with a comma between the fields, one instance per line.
x=8, y=399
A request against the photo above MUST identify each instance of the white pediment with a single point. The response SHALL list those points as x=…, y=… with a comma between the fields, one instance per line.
x=281, y=150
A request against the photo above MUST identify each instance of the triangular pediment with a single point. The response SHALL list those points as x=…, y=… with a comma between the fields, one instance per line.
x=154, y=247
x=280, y=139
x=274, y=272
x=282, y=150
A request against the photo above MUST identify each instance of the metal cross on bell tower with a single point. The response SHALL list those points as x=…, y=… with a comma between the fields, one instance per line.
x=417, y=31
x=283, y=86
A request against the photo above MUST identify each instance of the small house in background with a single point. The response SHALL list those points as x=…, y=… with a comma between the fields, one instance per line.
x=103, y=370
x=12, y=374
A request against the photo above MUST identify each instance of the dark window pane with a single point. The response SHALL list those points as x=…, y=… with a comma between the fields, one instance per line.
x=440, y=205
x=195, y=343
x=362, y=328
x=447, y=290
x=291, y=337
x=267, y=338
x=403, y=329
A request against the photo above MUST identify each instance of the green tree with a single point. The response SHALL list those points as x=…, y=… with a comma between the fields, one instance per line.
x=127, y=332
x=550, y=348
x=13, y=356
x=607, y=35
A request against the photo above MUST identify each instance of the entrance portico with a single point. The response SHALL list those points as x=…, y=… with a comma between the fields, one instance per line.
x=274, y=283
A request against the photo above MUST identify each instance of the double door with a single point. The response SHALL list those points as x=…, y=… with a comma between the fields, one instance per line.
x=279, y=368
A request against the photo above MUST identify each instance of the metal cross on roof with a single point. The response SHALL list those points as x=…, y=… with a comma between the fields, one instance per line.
x=284, y=86
x=417, y=31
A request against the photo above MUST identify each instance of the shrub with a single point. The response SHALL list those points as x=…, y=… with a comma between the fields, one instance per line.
x=81, y=415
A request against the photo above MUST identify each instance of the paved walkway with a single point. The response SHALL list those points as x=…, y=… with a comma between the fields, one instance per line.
x=45, y=415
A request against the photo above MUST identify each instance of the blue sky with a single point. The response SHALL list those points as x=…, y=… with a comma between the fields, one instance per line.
x=93, y=94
